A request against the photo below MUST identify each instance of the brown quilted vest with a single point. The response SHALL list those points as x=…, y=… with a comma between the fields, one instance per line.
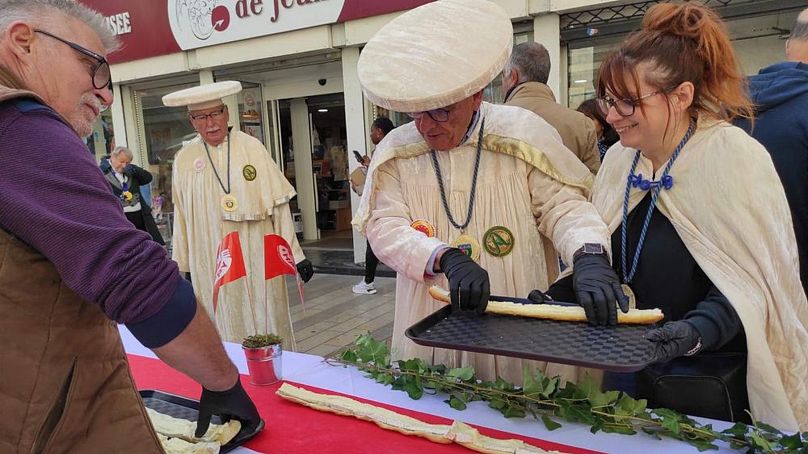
x=65, y=385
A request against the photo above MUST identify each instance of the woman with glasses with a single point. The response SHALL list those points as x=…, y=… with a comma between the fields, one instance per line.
x=700, y=227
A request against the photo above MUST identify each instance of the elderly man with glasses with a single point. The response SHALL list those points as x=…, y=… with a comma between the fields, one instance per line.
x=74, y=265
x=470, y=192
x=223, y=182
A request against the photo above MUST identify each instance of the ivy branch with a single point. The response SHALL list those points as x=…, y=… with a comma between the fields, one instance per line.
x=543, y=398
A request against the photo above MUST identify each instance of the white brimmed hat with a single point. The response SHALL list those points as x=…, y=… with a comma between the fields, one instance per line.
x=203, y=96
x=436, y=55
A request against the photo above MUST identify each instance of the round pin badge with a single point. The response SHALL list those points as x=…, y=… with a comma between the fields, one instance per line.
x=469, y=245
x=423, y=227
x=229, y=203
x=199, y=164
x=249, y=172
x=498, y=241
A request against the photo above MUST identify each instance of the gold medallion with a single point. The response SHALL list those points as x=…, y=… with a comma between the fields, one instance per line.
x=249, y=172
x=423, y=227
x=468, y=245
x=632, y=300
x=498, y=241
x=229, y=203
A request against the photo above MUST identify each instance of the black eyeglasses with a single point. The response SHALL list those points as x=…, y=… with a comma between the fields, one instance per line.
x=102, y=77
x=439, y=115
x=215, y=115
x=624, y=107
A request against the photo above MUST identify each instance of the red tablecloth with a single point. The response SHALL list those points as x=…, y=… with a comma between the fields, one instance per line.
x=293, y=428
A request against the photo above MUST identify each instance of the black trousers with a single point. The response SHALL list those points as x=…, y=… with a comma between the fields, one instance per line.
x=140, y=222
x=371, y=262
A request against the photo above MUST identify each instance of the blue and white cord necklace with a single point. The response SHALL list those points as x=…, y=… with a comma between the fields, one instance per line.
x=637, y=181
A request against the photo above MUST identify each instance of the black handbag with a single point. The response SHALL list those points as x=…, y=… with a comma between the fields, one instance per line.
x=710, y=384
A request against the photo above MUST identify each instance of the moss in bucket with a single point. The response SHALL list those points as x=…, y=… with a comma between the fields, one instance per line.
x=261, y=340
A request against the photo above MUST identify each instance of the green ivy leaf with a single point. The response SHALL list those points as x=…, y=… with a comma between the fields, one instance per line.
x=549, y=386
x=549, y=423
x=599, y=399
x=669, y=420
x=760, y=442
x=530, y=387
x=413, y=389
x=792, y=442
x=497, y=404
x=349, y=356
x=738, y=430
x=456, y=403
x=461, y=373
x=514, y=411
x=703, y=445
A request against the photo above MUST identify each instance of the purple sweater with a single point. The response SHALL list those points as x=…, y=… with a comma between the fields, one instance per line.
x=54, y=198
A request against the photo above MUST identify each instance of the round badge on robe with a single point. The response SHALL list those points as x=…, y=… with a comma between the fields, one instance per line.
x=469, y=245
x=249, y=172
x=199, y=164
x=498, y=241
x=423, y=227
x=229, y=203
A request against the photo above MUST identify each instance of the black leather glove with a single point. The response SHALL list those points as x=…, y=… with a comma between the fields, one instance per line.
x=128, y=169
x=231, y=403
x=673, y=340
x=597, y=289
x=305, y=269
x=468, y=282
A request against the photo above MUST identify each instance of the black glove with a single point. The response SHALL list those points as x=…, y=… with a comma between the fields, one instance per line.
x=539, y=297
x=128, y=169
x=468, y=281
x=231, y=403
x=673, y=340
x=597, y=288
x=305, y=269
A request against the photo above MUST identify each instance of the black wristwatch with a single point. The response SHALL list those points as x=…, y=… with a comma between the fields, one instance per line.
x=589, y=249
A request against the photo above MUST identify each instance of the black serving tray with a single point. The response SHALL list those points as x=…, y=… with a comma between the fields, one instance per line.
x=184, y=408
x=619, y=348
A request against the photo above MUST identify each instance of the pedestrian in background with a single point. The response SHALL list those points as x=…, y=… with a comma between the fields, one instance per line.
x=125, y=179
x=607, y=136
x=380, y=128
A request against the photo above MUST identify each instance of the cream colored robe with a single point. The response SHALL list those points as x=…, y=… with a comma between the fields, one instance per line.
x=249, y=305
x=528, y=182
x=728, y=206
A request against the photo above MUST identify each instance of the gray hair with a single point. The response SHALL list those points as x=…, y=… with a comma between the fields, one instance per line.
x=121, y=149
x=800, y=30
x=532, y=61
x=40, y=11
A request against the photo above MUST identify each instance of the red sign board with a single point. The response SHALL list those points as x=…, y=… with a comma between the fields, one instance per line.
x=148, y=28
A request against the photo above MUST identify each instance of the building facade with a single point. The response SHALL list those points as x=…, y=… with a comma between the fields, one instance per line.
x=297, y=62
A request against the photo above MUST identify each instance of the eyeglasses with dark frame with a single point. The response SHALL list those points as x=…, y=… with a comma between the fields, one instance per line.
x=215, y=115
x=439, y=115
x=623, y=107
x=101, y=75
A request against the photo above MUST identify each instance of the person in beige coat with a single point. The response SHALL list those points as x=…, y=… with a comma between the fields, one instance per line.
x=464, y=192
x=524, y=82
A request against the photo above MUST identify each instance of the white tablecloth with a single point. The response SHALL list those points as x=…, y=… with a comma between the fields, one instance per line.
x=312, y=370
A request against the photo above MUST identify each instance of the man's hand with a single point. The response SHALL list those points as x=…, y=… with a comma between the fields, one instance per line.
x=305, y=269
x=598, y=290
x=468, y=282
x=673, y=340
x=233, y=403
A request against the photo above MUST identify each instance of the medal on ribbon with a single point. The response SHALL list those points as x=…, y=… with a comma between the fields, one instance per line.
x=469, y=245
x=498, y=241
x=127, y=196
x=229, y=203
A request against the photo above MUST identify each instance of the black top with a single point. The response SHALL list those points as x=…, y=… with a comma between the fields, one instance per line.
x=669, y=278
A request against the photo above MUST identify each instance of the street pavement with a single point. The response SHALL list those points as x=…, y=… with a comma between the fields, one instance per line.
x=333, y=316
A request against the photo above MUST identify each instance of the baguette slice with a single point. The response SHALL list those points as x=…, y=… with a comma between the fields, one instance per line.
x=554, y=311
x=387, y=419
x=182, y=428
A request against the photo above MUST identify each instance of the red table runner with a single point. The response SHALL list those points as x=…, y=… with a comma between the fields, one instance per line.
x=294, y=428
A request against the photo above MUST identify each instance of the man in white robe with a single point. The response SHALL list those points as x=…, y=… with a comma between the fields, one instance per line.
x=426, y=174
x=225, y=181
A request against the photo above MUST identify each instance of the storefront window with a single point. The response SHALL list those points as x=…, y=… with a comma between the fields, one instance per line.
x=165, y=128
x=249, y=110
x=102, y=141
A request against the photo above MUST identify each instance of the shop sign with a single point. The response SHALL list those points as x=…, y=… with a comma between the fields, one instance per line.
x=149, y=28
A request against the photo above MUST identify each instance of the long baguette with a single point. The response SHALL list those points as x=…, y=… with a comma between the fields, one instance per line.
x=387, y=419
x=554, y=311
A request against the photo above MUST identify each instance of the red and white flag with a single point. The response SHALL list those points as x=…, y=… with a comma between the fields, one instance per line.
x=279, y=260
x=229, y=264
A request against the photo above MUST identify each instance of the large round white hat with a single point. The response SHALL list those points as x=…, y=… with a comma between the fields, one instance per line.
x=435, y=55
x=204, y=96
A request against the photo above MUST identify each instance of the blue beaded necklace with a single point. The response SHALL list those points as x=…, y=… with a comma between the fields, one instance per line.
x=637, y=181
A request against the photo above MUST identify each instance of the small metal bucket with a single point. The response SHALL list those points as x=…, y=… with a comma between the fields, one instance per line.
x=264, y=364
